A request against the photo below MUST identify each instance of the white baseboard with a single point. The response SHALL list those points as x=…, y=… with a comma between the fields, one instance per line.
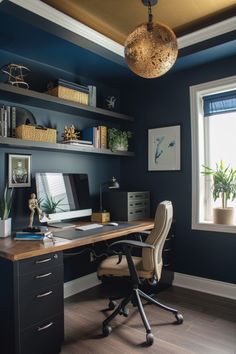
x=204, y=285
x=80, y=284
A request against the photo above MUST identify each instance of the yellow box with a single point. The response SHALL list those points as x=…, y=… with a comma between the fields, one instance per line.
x=100, y=217
x=69, y=94
x=34, y=133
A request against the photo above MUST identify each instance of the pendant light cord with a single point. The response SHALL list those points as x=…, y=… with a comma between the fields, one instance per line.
x=150, y=17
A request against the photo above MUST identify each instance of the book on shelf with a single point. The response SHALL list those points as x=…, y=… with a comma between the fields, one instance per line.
x=8, y=121
x=77, y=142
x=92, y=95
x=98, y=136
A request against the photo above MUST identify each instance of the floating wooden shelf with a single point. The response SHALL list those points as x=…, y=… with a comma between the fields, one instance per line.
x=42, y=100
x=36, y=145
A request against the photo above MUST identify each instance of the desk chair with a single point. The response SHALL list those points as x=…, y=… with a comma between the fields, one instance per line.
x=147, y=267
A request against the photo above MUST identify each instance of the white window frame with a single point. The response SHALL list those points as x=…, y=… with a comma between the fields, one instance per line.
x=197, y=93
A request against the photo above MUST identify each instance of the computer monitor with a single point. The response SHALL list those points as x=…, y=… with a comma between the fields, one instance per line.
x=63, y=196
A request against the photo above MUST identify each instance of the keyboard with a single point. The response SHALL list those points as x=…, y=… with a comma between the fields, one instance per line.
x=88, y=227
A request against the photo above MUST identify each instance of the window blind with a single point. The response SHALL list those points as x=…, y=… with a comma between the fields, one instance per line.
x=219, y=103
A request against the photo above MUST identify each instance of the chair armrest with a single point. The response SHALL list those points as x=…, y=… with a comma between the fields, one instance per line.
x=132, y=243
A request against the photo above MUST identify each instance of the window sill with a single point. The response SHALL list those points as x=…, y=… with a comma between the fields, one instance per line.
x=209, y=226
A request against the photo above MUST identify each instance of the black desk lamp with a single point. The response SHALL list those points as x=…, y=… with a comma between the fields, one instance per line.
x=103, y=215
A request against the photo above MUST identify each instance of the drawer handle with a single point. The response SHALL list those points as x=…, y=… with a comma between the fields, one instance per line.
x=39, y=296
x=43, y=260
x=43, y=275
x=167, y=250
x=44, y=327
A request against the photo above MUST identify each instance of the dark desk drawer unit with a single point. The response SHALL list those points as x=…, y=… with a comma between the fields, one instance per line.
x=127, y=206
x=34, y=297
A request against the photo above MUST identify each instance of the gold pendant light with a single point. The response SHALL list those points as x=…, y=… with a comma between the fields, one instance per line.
x=151, y=49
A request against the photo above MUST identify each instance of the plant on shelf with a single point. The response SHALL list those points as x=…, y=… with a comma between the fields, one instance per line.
x=118, y=140
x=5, y=210
x=49, y=205
x=224, y=187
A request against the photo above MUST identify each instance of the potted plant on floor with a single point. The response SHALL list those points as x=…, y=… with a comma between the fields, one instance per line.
x=5, y=209
x=224, y=187
x=118, y=140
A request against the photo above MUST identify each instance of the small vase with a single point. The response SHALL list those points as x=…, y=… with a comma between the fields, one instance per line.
x=223, y=216
x=5, y=227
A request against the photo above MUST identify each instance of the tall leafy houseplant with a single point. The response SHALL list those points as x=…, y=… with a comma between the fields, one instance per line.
x=224, y=187
x=118, y=139
x=5, y=209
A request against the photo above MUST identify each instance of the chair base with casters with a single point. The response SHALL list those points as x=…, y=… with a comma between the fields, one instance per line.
x=135, y=298
x=146, y=267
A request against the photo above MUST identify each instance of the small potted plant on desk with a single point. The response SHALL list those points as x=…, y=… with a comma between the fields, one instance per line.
x=118, y=140
x=5, y=209
x=224, y=187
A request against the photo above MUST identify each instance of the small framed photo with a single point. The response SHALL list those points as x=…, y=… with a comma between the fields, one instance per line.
x=19, y=170
x=164, y=149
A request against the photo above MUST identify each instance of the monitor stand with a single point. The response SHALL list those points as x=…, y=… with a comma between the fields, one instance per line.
x=61, y=225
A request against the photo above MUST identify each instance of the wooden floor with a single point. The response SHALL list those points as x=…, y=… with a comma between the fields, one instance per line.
x=209, y=325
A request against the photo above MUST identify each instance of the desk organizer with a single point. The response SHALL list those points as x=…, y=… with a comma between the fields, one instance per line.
x=35, y=133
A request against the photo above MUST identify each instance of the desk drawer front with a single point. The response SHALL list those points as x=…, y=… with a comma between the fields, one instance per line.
x=40, y=263
x=44, y=338
x=40, y=304
x=41, y=279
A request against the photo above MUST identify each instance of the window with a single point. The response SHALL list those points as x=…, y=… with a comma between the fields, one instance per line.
x=213, y=125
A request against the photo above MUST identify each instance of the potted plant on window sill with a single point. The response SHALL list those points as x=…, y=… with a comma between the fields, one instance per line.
x=5, y=209
x=224, y=187
x=118, y=140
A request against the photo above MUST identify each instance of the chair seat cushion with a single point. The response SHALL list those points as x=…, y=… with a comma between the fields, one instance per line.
x=110, y=267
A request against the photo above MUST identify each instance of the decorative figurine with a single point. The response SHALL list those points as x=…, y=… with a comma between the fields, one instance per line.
x=70, y=133
x=34, y=205
x=110, y=102
x=16, y=75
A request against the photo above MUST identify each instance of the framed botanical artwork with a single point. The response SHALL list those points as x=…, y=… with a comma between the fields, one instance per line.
x=164, y=149
x=19, y=170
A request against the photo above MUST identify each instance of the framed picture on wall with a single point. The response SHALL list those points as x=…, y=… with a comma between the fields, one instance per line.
x=164, y=149
x=19, y=170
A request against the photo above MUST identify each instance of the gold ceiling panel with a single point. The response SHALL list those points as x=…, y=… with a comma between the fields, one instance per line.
x=117, y=18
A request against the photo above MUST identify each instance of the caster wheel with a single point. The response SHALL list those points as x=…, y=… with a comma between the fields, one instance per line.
x=112, y=304
x=149, y=339
x=106, y=330
x=179, y=318
x=126, y=312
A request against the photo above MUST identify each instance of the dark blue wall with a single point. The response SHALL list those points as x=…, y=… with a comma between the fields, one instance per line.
x=162, y=102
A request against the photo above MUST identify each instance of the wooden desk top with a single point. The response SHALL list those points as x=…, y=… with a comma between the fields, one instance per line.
x=17, y=250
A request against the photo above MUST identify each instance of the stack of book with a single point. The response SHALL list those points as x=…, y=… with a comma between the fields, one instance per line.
x=78, y=142
x=8, y=122
x=98, y=136
x=33, y=236
x=70, y=91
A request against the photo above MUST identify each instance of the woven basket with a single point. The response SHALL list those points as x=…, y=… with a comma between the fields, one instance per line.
x=69, y=94
x=29, y=132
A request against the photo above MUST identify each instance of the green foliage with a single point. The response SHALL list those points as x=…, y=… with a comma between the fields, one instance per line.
x=49, y=205
x=224, y=182
x=6, y=203
x=118, y=137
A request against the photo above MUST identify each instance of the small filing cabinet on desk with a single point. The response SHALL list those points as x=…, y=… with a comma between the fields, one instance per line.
x=31, y=303
x=127, y=206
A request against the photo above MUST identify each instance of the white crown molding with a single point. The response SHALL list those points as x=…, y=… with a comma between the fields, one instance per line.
x=53, y=15
x=208, y=32
x=80, y=284
x=205, y=285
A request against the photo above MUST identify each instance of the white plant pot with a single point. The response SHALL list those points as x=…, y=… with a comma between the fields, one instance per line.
x=223, y=216
x=120, y=147
x=5, y=227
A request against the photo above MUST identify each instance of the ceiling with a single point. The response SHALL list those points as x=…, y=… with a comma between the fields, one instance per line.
x=117, y=18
